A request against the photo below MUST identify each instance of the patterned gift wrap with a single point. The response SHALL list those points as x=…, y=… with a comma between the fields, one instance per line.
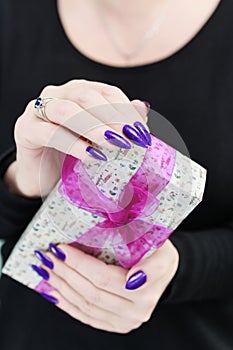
x=120, y=211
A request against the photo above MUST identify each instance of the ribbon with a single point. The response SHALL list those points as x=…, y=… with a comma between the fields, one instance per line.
x=123, y=228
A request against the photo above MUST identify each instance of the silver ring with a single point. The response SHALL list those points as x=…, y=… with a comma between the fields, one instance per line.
x=40, y=105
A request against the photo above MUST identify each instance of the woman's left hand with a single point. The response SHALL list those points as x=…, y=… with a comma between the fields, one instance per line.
x=95, y=293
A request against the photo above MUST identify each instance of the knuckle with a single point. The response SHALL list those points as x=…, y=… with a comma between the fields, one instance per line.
x=75, y=82
x=149, y=309
x=94, y=298
x=30, y=106
x=48, y=90
x=62, y=286
x=143, y=312
x=75, y=263
x=112, y=90
x=146, y=317
x=65, y=275
x=140, y=317
x=150, y=300
x=102, y=281
x=136, y=325
x=63, y=109
x=84, y=94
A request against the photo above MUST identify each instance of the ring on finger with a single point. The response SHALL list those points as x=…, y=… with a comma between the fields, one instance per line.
x=40, y=105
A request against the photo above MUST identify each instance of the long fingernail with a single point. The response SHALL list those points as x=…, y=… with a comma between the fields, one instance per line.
x=41, y=272
x=143, y=132
x=95, y=153
x=116, y=139
x=134, y=136
x=136, y=280
x=147, y=104
x=44, y=259
x=50, y=298
x=57, y=252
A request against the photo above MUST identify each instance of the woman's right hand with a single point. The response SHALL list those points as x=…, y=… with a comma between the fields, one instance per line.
x=76, y=123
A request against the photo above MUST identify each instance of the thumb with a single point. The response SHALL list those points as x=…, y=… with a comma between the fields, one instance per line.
x=154, y=267
x=137, y=275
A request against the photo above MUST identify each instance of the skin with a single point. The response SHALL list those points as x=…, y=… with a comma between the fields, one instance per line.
x=127, y=22
x=88, y=289
x=71, y=116
x=94, y=293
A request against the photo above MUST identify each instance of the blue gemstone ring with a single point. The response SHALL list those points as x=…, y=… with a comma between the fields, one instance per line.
x=40, y=105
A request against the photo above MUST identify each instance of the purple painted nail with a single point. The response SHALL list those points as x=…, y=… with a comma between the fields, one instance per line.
x=41, y=272
x=44, y=259
x=147, y=104
x=143, y=132
x=116, y=139
x=57, y=252
x=95, y=153
x=134, y=135
x=50, y=298
x=136, y=280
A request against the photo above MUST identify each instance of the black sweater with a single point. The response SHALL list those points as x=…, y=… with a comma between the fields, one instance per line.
x=193, y=89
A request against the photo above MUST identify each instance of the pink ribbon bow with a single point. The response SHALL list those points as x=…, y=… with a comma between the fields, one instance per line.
x=123, y=227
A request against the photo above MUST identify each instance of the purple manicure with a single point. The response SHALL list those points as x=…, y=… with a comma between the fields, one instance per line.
x=44, y=259
x=136, y=280
x=143, y=132
x=134, y=135
x=50, y=298
x=147, y=104
x=41, y=272
x=57, y=252
x=95, y=153
x=116, y=139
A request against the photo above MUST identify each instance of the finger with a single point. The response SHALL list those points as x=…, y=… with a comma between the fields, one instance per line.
x=75, y=312
x=87, y=305
x=39, y=133
x=109, y=301
x=73, y=117
x=96, y=97
x=152, y=269
x=111, y=106
x=63, y=140
x=119, y=96
x=108, y=278
x=124, y=108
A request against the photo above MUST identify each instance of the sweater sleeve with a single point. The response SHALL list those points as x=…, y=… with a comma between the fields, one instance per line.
x=15, y=211
x=206, y=265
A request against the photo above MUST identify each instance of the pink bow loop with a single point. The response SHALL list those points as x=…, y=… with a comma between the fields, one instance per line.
x=124, y=227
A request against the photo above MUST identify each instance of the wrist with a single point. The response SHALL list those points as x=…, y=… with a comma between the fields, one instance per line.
x=9, y=179
x=11, y=183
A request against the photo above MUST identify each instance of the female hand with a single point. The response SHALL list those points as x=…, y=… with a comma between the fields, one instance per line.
x=95, y=293
x=72, y=129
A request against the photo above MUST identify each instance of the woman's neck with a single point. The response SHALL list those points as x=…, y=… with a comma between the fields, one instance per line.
x=116, y=33
x=130, y=9
x=124, y=12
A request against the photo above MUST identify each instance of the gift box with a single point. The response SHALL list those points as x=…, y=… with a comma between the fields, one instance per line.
x=120, y=211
